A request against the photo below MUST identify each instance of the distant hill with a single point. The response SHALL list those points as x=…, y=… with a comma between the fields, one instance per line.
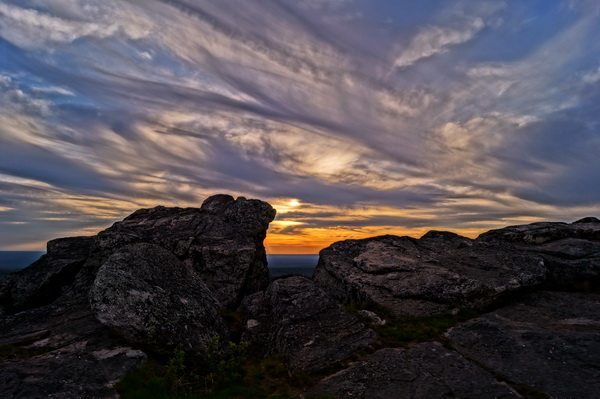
x=11, y=261
x=279, y=265
x=282, y=265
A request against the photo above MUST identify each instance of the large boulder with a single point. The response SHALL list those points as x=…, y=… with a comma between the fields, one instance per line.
x=571, y=252
x=299, y=321
x=424, y=371
x=438, y=274
x=222, y=241
x=153, y=300
x=549, y=341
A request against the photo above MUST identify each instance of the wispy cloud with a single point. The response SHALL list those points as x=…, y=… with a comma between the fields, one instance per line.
x=434, y=40
x=484, y=120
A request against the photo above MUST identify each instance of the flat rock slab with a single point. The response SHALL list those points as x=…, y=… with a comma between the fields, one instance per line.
x=440, y=273
x=298, y=320
x=549, y=341
x=150, y=298
x=427, y=370
x=571, y=251
x=61, y=351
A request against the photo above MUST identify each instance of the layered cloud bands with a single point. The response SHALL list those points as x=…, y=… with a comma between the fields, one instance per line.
x=353, y=118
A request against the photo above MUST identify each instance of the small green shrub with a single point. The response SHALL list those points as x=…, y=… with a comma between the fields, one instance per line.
x=228, y=371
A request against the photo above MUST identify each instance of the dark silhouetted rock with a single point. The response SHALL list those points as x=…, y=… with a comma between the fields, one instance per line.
x=153, y=300
x=440, y=273
x=298, y=320
x=424, y=371
x=46, y=278
x=549, y=341
x=571, y=252
x=588, y=219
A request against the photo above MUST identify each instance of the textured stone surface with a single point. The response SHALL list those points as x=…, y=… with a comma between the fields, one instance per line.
x=61, y=351
x=222, y=241
x=150, y=298
x=440, y=273
x=549, y=341
x=154, y=277
x=298, y=320
x=571, y=252
x=425, y=371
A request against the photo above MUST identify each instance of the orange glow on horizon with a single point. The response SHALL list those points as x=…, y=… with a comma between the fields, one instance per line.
x=312, y=240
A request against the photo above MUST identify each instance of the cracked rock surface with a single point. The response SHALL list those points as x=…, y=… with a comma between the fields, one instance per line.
x=300, y=321
x=423, y=371
x=441, y=273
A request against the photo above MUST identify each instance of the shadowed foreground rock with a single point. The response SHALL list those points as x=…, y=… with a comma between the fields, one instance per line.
x=549, y=341
x=440, y=273
x=298, y=320
x=150, y=298
x=61, y=351
x=423, y=371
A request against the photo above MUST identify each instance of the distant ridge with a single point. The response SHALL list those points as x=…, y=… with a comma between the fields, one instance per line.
x=11, y=261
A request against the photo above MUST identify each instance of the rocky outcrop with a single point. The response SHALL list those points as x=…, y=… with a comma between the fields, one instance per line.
x=74, y=322
x=91, y=310
x=549, y=341
x=437, y=274
x=151, y=299
x=424, y=371
x=571, y=252
x=299, y=321
x=222, y=241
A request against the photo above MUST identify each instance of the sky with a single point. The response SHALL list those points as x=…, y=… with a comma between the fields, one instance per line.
x=353, y=118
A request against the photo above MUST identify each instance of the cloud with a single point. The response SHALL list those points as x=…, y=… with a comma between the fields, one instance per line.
x=592, y=76
x=436, y=40
x=110, y=106
x=30, y=28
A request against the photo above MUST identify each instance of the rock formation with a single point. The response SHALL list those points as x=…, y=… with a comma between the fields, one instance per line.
x=298, y=320
x=549, y=341
x=535, y=344
x=571, y=252
x=440, y=273
x=222, y=241
x=93, y=308
x=156, y=280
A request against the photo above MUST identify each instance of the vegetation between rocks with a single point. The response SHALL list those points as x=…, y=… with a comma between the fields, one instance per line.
x=232, y=373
